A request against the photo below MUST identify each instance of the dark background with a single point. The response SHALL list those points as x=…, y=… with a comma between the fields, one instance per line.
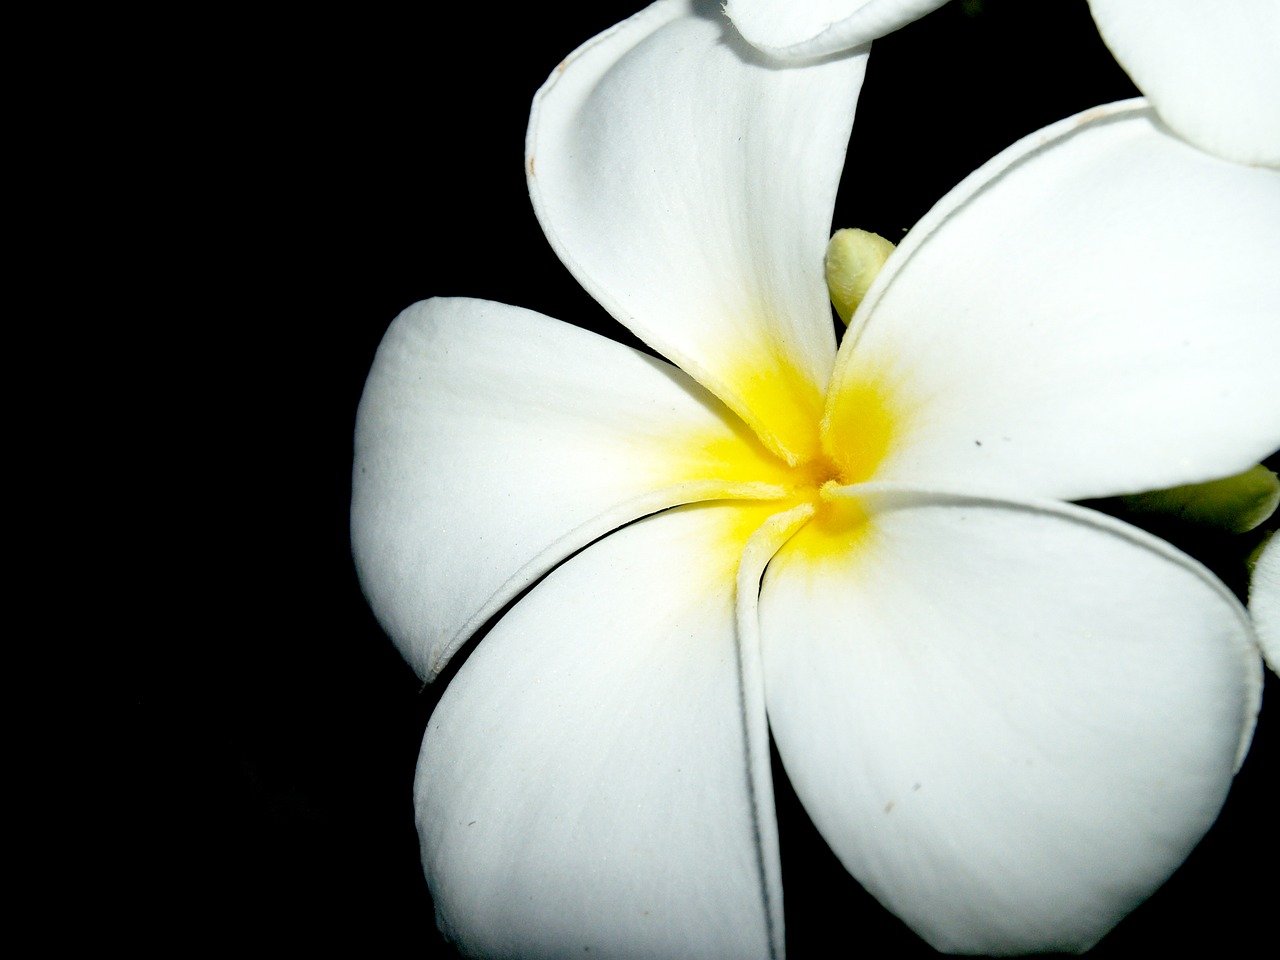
x=341, y=152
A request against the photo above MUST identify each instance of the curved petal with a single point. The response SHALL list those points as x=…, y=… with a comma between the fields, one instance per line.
x=1010, y=722
x=492, y=442
x=1210, y=69
x=1264, y=601
x=818, y=27
x=689, y=187
x=1091, y=313
x=756, y=553
x=584, y=784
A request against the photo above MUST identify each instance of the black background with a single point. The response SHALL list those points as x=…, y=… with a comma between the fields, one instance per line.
x=359, y=163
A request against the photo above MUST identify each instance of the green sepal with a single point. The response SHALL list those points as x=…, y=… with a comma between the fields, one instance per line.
x=1233, y=504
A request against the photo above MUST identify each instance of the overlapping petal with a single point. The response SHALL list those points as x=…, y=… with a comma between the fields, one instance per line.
x=1264, y=601
x=1210, y=69
x=491, y=442
x=814, y=28
x=1011, y=722
x=585, y=784
x=691, y=194
x=1092, y=312
x=1010, y=719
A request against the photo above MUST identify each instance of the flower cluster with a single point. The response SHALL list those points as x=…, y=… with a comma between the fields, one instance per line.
x=865, y=548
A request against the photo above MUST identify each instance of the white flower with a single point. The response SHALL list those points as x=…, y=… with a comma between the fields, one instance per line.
x=1011, y=718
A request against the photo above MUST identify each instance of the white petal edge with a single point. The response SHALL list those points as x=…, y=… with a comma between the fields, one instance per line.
x=757, y=552
x=1264, y=601
x=583, y=786
x=1090, y=313
x=1010, y=721
x=491, y=442
x=689, y=186
x=819, y=27
x=1210, y=69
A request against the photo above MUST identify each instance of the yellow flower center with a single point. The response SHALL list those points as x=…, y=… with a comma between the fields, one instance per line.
x=850, y=441
x=795, y=447
x=854, y=438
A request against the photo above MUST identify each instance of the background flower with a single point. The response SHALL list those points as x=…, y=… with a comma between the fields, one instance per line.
x=1210, y=69
x=1264, y=601
x=354, y=135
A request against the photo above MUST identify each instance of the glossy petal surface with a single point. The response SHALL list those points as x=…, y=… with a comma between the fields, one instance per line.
x=818, y=27
x=691, y=195
x=1210, y=69
x=492, y=442
x=1011, y=723
x=1090, y=313
x=584, y=784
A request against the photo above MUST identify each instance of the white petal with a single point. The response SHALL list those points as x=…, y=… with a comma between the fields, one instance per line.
x=584, y=784
x=756, y=553
x=689, y=187
x=812, y=28
x=1210, y=69
x=1011, y=722
x=1093, y=312
x=1264, y=601
x=491, y=442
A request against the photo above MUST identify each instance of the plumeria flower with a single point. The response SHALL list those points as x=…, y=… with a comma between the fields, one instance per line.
x=1010, y=717
x=1208, y=69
